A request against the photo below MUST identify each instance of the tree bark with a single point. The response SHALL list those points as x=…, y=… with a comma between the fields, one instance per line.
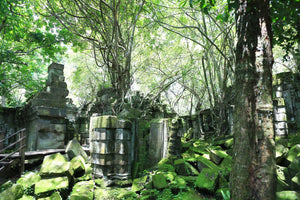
x=253, y=174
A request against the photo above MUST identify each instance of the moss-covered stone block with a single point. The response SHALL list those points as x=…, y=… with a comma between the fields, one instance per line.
x=6, y=185
x=188, y=195
x=165, y=165
x=180, y=167
x=108, y=193
x=159, y=181
x=203, y=162
x=287, y=195
x=228, y=143
x=281, y=185
x=295, y=182
x=281, y=152
x=54, y=196
x=55, y=169
x=294, y=167
x=45, y=187
x=170, y=176
x=207, y=180
x=28, y=180
x=83, y=190
x=100, y=183
x=87, y=173
x=179, y=182
x=128, y=195
x=16, y=191
x=27, y=197
x=293, y=152
x=57, y=157
x=217, y=156
x=139, y=183
x=74, y=149
x=78, y=166
x=106, y=121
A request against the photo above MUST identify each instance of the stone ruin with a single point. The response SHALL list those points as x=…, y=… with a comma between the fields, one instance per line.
x=119, y=148
x=46, y=113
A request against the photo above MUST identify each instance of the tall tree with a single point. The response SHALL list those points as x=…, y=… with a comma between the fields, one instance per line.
x=25, y=48
x=253, y=173
x=109, y=26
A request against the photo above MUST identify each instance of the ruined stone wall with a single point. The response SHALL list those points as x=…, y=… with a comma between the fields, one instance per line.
x=46, y=113
x=286, y=95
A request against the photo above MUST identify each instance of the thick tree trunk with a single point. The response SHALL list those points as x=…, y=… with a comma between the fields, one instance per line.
x=253, y=173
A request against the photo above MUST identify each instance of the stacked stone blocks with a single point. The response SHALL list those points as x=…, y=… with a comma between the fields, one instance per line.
x=111, y=147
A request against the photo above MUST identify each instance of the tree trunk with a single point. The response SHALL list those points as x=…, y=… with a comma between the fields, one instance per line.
x=253, y=174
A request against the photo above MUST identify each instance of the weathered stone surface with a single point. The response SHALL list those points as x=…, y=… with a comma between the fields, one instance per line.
x=6, y=185
x=55, y=165
x=59, y=103
x=74, y=149
x=29, y=179
x=106, y=121
x=293, y=152
x=78, y=166
x=83, y=190
x=123, y=124
x=45, y=187
x=159, y=181
x=27, y=197
x=158, y=140
x=203, y=162
x=217, y=156
x=14, y=192
x=50, y=140
x=287, y=195
x=55, y=169
x=296, y=182
x=207, y=180
x=281, y=152
x=54, y=196
x=180, y=168
x=294, y=167
x=179, y=183
x=87, y=175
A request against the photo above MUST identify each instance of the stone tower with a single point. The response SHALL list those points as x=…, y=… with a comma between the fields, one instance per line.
x=46, y=112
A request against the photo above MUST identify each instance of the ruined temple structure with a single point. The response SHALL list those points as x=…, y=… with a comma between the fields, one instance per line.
x=46, y=112
x=286, y=95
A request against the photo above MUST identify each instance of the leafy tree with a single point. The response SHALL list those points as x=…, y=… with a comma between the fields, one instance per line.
x=286, y=26
x=26, y=47
x=108, y=26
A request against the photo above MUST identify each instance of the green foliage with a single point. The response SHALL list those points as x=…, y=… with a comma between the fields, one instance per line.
x=25, y=50
x=285, y=25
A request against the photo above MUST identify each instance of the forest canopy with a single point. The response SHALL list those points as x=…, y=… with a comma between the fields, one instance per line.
x=182, y=51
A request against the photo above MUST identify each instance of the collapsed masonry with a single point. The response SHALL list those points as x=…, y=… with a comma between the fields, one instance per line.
x=46, y=113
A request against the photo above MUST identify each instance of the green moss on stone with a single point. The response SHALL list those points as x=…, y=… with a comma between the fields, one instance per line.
x=46, y=186
x=159, y=181
x=14, y=192
x=54, y=196
x=207, y=180
x=296, y=182
x=139, y=183
x=204, y=162
x=83, y=190
x=105, y=121
x=287, y=195
x=27, y=197
x=29, y=179
x=293, y=152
